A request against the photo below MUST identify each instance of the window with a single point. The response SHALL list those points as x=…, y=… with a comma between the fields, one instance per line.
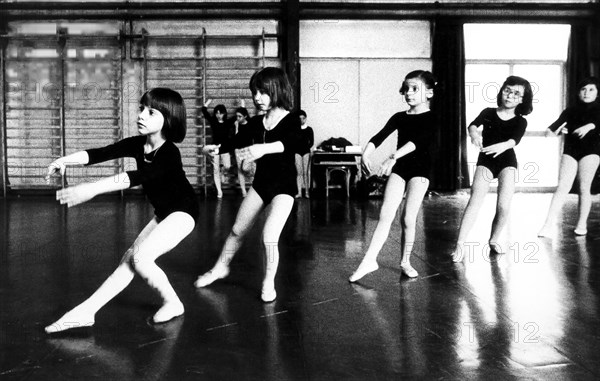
x=536, y=52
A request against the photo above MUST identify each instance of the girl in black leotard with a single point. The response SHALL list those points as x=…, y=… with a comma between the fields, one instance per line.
x=503, y=128
x=408, y=168
x=275, y=138
x=161, y=123
x=243, y=168
x=302, y=158
x=222, y=134
x=581, y=154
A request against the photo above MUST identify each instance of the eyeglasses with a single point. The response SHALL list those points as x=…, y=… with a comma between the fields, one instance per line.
x=514, y=93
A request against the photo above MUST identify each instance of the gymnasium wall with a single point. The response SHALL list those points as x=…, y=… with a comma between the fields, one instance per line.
x=351, y=73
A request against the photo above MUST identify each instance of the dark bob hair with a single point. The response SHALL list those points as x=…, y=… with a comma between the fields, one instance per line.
x=425, y=76
x=221, y=109
x=526, y=106
x=302, y=113
x=273, y=82
x=589, y=81
x=171, y=106
x=243, y=111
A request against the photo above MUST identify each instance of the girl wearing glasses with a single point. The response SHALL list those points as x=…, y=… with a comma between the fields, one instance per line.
x=503, y=128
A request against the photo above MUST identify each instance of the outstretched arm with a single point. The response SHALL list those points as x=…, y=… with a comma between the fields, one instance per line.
x=81, y=193
x=60, y=165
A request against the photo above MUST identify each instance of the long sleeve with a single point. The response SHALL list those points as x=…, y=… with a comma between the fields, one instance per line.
x=483, y=115
x=387, y=130
x=519, y=130
x=559, y=122
x=206, y=114
x=292, y=137
x=311, y=137
x=123, y=148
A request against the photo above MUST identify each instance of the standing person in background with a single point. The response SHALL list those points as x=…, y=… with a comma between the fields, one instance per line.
x=502, y=129
x=581, y=154
x=303, y=158
x=408, y=168
x=245, y=168
x=222, y=134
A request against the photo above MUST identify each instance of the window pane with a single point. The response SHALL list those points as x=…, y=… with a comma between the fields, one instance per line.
x=546, y=82
x=532, y=42
x=538, y=161
x=482, y=84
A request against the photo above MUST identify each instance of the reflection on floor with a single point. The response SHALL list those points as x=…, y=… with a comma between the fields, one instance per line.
x=532, y=313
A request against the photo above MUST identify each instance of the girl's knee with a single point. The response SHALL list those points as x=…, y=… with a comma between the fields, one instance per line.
x=139, y=262
x=408, y=221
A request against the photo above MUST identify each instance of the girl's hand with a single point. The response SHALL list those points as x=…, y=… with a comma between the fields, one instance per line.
x=477, y=141
x=211, y=149
x=55, y=167
x=76, y=195
x=583, y=130
x=207, y=102
x=386, y=167
x=251, y=153
x=495, y=149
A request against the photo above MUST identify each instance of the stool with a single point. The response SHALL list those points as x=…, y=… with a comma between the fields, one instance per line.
x=345, y=171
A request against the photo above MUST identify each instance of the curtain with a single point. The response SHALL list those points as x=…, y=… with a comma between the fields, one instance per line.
x=450, y=170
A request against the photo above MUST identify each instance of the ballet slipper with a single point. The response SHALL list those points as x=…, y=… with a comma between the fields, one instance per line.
x=363, y=269
x=168, y=311
x=268, y=293
x=211, y=276
x=70, y=320
x=408, y=270
x=580, y=232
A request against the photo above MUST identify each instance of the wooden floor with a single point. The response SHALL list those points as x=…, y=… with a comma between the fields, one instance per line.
x=532, y=313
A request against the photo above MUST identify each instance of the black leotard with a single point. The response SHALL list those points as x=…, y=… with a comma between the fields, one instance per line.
x=420, y=129
x=160, y=173
x=496, y=130
x=575, y=117
x=222, y=132
x=309, y=135
x=275, y=173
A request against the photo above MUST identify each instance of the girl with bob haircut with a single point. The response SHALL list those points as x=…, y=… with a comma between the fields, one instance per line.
x=161, y=122
x=274, y=139
x=408, y=168
x=503, y=128
x=581, y=154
